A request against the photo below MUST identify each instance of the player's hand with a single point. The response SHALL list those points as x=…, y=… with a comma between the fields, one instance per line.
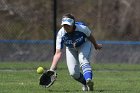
x=98, y=46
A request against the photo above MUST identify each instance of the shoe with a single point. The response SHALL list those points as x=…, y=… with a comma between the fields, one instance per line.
x=85, y=88
x=89, y=84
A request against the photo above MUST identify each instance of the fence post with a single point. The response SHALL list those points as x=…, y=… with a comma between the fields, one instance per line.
x=54, y=22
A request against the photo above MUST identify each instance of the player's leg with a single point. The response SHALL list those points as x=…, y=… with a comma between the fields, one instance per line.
x=74, y=66
x=84, y=56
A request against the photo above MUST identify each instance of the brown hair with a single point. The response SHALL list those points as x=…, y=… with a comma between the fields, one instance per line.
x=68, y=15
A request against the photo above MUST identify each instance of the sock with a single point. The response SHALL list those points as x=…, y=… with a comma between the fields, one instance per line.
x=87, y=71
x=81, y=79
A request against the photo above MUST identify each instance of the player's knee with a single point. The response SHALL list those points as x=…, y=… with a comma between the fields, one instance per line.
x=75, y=75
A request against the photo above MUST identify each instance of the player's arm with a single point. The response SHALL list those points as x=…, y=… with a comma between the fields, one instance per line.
x=56, y=59
x=92, y=39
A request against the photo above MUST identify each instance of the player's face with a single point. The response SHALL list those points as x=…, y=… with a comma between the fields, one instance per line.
x=68, y=28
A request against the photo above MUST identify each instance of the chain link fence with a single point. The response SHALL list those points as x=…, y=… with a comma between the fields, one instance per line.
x=23, y=22
x=26, y=28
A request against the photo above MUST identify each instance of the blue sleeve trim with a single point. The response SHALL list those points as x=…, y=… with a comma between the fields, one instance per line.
x=80, y=23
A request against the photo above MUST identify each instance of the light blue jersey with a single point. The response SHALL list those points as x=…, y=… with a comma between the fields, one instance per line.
x=78, y=51
x=79, y=36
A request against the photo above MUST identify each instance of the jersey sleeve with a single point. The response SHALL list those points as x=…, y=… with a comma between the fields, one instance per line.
x=59, y=42
x=87, y=31
x=84, y=29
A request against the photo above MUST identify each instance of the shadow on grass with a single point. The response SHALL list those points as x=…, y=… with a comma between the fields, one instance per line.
x=98, y=91
x=64, y=91
x=107, y=90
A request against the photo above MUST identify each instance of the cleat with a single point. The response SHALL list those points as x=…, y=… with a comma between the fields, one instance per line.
x=85, y=88
x=89, y=84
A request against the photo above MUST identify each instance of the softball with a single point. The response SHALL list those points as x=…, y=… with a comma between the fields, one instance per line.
x=40, y=70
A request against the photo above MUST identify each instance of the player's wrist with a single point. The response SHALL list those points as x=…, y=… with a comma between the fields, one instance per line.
x=52, y=68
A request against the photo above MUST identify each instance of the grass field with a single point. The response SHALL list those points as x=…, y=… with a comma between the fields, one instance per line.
x=21, y=77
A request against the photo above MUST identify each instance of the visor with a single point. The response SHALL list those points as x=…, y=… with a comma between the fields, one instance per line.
x=67, y=21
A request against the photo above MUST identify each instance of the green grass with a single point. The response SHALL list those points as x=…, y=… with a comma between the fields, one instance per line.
x=21, y=77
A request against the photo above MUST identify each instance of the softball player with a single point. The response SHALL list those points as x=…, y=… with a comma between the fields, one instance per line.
x=78, y=41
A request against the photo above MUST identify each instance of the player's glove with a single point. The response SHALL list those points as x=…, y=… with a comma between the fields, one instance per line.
x=48, y=78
